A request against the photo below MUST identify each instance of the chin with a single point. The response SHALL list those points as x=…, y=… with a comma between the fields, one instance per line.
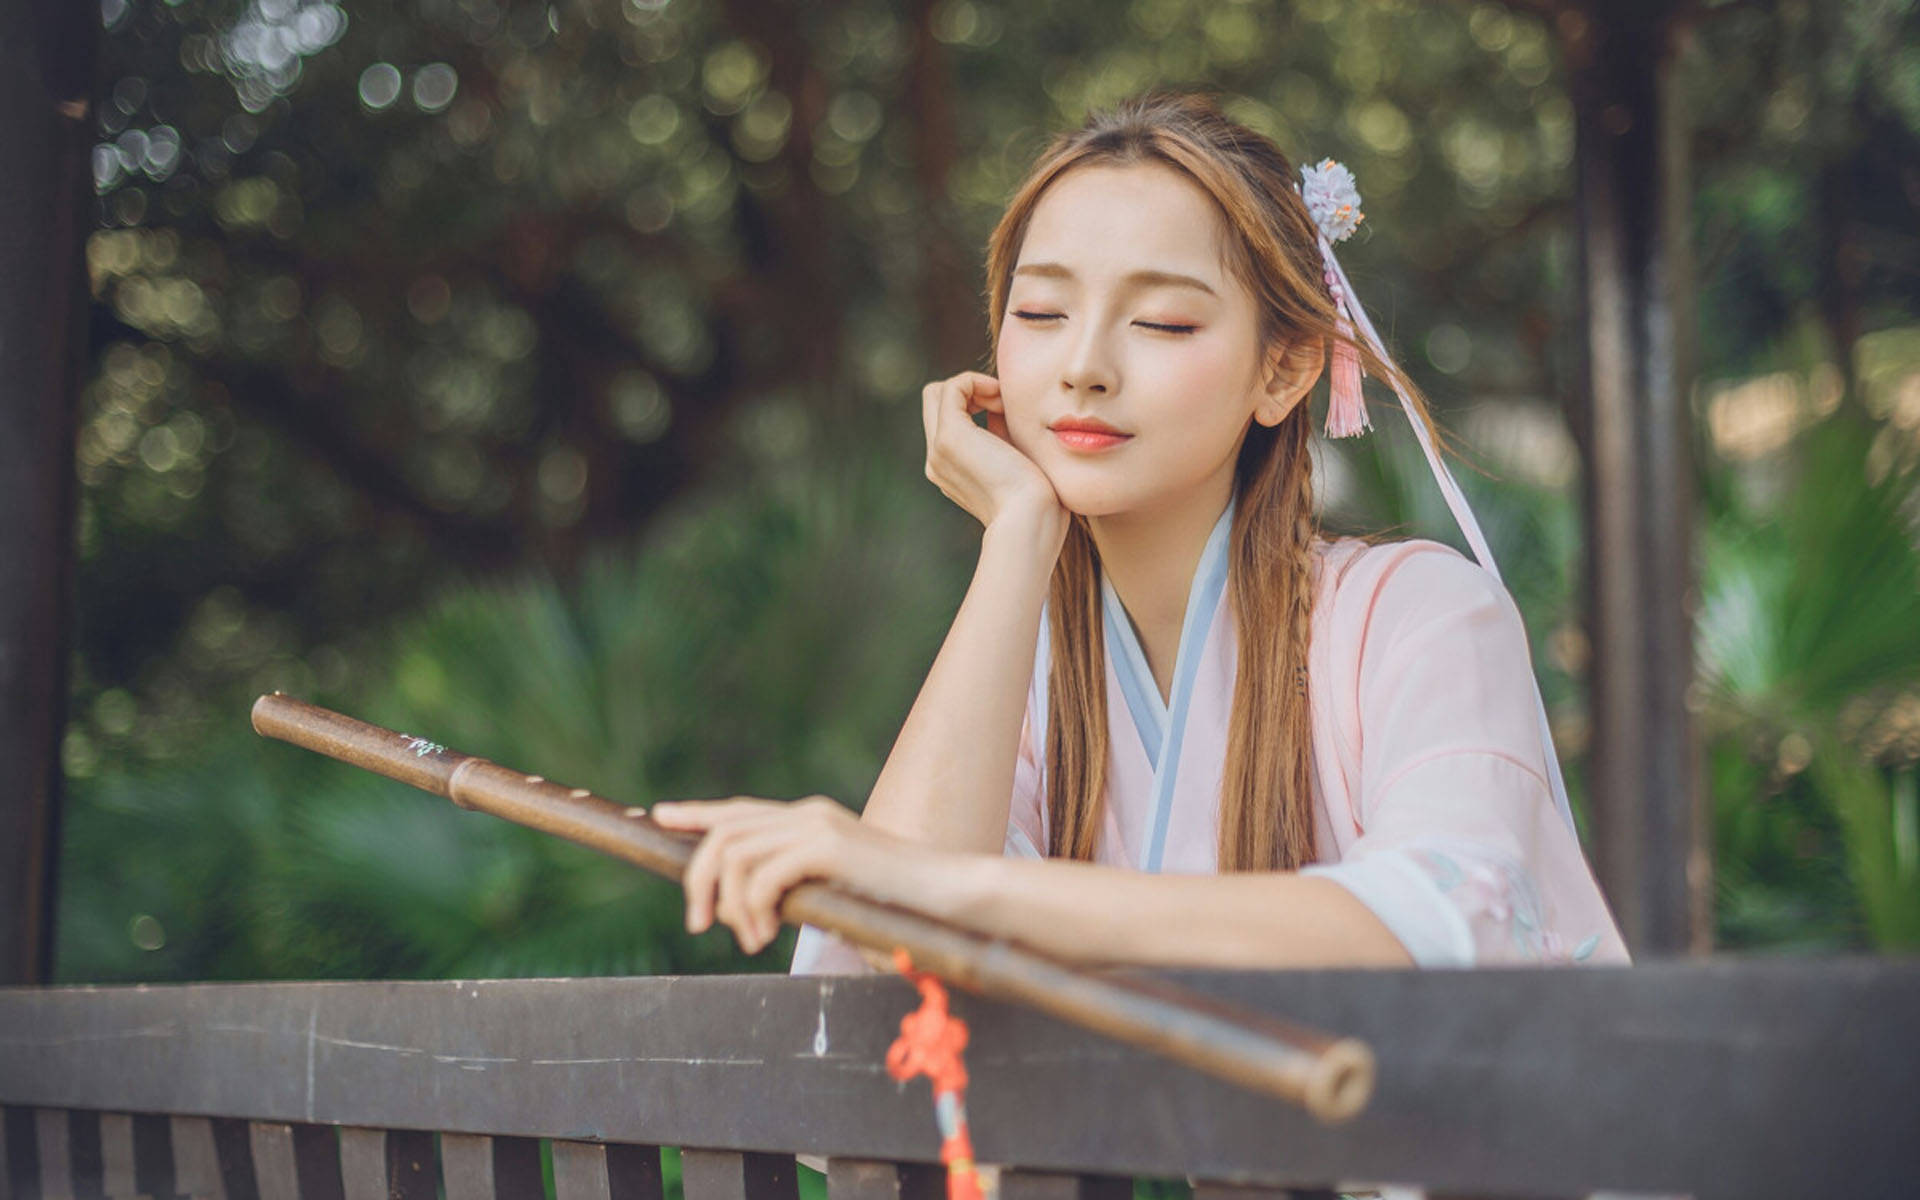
x=1092, y=498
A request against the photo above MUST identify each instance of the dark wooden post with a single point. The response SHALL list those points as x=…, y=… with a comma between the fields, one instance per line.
x=47, y=50
x=1649, y=831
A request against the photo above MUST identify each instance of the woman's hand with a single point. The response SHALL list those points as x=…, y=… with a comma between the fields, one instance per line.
x=754, y=850
x=981, y=470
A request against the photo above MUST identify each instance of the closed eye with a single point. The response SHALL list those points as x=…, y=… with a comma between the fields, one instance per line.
x=1030, y=316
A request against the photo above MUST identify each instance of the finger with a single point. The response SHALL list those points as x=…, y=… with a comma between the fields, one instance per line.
x=733, y=872
x=982, y=392
x=741, y=905
x=997, y=426
x=979, y=382
x=774, y=876
x=754, y=902
x=697, y=881
x=959, y=395
x=702, y=814
x=701, y=877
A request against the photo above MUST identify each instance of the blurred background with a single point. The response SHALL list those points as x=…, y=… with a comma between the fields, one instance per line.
x=543, y=379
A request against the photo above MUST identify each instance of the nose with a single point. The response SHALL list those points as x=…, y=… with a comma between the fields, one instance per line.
x=1089, y=366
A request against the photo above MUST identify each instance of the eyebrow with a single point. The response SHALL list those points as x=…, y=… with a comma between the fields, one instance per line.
x=1162, y=278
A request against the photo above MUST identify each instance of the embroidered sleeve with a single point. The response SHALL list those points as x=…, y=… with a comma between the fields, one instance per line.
x=1503, y=909
x=1454, y=904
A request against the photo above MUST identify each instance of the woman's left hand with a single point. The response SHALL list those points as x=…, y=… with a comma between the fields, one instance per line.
x=754, y=850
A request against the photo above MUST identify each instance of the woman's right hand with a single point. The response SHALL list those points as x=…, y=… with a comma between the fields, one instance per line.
x=981, y=470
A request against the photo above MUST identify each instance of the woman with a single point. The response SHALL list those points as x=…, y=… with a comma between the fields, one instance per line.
x=1171, y=724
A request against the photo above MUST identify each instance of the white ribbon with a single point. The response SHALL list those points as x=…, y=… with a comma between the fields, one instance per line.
x=1457, y=502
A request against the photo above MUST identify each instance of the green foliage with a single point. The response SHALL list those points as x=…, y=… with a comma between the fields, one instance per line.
x=762, y=639
x=1808, y=628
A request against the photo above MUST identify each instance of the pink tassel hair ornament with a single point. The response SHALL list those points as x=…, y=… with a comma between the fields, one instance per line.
x=1334, y=203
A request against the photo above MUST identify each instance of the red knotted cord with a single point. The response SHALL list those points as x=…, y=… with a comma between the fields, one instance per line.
x=929, y=1044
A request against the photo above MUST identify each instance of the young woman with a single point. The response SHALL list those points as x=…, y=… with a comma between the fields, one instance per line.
x=1171, y=724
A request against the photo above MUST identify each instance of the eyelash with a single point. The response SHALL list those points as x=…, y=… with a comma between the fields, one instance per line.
x=1149, y=324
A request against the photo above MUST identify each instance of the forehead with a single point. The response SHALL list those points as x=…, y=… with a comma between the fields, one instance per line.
x=1104, y=222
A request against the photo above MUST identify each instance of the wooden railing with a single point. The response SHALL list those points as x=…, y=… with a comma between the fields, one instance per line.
x=1719, y=1078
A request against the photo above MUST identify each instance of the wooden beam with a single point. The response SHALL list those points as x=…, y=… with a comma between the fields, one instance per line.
x=46, y=141
x=1671, y=1077
x=1646, y=794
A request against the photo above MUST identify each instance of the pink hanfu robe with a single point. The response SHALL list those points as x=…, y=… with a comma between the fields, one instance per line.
x=1431, y=798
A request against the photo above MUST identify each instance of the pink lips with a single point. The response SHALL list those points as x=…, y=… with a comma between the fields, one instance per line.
x=1088, y=435
x=1084, y=439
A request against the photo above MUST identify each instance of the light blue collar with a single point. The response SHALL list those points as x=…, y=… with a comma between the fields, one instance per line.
x=1162, y=724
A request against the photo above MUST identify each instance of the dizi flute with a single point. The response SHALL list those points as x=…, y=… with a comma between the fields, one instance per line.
x=1329, y=1076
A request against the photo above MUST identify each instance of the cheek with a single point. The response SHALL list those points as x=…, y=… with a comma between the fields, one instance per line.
x=1023, y=371
x=1208, y=385
x=1207, y=404
x=1026, y=426
x=1196, y=367
x=1018, y=353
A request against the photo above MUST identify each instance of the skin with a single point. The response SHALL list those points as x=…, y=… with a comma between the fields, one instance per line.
x=1080, y=339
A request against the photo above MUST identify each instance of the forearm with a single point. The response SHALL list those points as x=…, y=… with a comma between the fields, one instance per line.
x=948, y=781
x=1098, y=913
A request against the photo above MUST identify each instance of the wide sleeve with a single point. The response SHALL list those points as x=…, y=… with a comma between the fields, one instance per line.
x=1462, y=852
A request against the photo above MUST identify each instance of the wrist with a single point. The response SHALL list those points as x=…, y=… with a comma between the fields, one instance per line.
x=1032, y=532
x=961, y=889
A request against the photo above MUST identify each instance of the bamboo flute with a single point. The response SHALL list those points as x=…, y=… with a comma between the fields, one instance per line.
x=1331, y=1077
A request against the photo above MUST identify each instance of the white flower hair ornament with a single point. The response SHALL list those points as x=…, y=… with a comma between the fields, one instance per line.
x=1333, y=200
x=1334, y=203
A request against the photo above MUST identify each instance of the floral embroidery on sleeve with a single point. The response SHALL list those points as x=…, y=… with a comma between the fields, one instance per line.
x=1498, y=898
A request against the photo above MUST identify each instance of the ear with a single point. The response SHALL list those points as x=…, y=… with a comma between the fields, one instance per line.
x=1292, y=370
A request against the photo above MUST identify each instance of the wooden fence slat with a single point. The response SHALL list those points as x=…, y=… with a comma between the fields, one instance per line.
x=50, y=1135
x=413, y=1169
x=633, y=1172
x=466, y=1166
x=7, y=1189
x=363, y=1163
x=316, y=1157
x=1213, y=1190
x=876, y=1179
x=153, y=1156
x=22, y=1166
x=579, y=1171
x=477, y=1167
x=116, y=1156
x=517, y=1174
x=196, y=1165
x=738, y=1175
x=270, y=1145
x=233, y=1150
x=87, y=1176
x=1016, y=1184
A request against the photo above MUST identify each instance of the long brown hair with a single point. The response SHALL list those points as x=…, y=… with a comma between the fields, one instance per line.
x=1266, y=814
